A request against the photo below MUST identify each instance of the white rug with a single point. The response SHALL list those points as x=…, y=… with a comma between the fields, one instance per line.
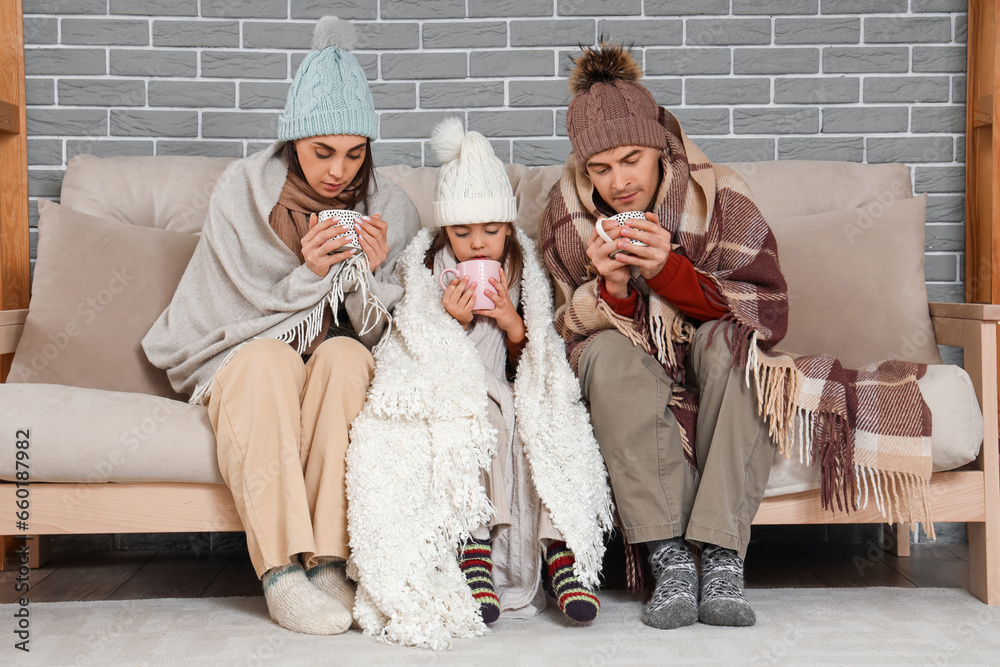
x=794, y=626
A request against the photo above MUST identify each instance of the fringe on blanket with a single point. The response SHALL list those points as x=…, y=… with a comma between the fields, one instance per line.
x=302, y=334
x=826, y=438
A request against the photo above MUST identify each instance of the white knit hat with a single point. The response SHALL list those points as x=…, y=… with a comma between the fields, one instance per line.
x=473, y=185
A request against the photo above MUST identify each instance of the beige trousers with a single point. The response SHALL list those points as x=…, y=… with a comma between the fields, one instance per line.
x=281, y=427
x=655, y=492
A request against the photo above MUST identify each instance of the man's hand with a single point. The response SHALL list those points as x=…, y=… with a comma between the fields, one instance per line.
x=458, y=299
x=653, y=257
x=616, y=274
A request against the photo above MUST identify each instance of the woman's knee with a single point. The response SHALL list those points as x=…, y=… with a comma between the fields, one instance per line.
x=344, y=357
x=265, y=359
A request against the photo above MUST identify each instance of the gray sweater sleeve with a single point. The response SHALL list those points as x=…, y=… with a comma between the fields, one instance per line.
x=404, y=223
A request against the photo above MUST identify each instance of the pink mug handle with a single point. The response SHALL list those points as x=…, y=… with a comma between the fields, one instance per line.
x=443, y=282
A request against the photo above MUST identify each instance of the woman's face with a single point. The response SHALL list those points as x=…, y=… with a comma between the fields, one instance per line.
x=331, y=162
x=483, y=240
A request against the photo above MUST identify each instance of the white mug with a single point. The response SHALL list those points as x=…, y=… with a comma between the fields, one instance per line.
x=619, y=220
x=349, y=219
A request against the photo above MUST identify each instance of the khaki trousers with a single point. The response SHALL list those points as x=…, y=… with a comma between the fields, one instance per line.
x=281, y=425
x=655, y=492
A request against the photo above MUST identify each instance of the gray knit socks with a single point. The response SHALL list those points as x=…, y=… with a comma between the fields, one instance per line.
x=674, y=602
x=297, y=605
x=722, y=599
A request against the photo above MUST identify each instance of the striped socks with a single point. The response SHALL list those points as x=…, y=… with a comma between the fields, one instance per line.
x=476, y=563
x=579, y=604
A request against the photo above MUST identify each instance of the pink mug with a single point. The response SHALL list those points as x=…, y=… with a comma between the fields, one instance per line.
x=478, y=271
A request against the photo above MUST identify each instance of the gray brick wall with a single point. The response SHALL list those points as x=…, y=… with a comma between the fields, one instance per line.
x=859, y=80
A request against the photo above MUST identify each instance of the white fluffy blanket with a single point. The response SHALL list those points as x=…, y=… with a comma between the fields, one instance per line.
x=413, y=480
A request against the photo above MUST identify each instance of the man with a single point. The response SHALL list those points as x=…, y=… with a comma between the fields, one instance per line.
x=659, y=334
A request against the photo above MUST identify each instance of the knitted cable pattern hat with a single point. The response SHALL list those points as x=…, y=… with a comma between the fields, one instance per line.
x=610, y=108
x=472, y=185
x=330, y=94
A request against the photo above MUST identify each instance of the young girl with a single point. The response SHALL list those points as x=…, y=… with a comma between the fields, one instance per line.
x=486, y=462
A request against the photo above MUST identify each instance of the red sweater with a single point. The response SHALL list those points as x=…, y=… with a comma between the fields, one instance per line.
x=679, y=284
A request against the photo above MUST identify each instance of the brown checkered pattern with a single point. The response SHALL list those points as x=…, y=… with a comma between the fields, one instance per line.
x=869, y=429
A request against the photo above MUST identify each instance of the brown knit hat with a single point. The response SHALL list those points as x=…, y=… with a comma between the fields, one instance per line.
x=610, y=107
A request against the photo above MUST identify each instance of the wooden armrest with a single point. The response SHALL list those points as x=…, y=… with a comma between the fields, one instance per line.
x=985, y=312
x=11, y=326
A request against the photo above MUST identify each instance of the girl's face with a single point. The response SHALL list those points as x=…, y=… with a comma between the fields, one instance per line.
x=482, y=240
x=331, y=162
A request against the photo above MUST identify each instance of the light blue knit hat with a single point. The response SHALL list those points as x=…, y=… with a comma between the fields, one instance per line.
x=330, y=94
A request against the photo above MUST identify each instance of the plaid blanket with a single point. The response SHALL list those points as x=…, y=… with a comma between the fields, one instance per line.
x=868, y=429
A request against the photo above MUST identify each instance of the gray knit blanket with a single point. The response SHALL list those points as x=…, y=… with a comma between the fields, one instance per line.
x=243, y=282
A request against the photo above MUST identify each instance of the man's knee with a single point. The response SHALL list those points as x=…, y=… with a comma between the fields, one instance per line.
x=603, y=359
x=718, y=351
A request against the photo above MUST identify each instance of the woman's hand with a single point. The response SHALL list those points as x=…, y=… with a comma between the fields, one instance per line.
x=653, y=257
x=504, y=311
x=616, y=274
x=316, y=244
x=373, y=233
x=458, y=300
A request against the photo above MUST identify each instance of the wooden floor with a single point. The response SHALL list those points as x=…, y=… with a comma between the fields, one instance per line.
x=74, y=574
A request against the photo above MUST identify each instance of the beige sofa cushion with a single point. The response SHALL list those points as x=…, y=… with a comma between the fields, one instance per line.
x=89, y=435
x=856, y=285
x=805, y=187
x=956, y=436
x=98, y=287
x=173, y=192
x=531, y=187
x=163, y=191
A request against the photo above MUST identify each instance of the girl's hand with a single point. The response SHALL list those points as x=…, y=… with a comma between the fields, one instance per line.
x=316, y=244
x=458, y=300
x=504, y=311
x=652, y=258
x=372, y=234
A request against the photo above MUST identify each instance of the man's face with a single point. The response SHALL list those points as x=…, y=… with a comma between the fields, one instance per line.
x=626, y=177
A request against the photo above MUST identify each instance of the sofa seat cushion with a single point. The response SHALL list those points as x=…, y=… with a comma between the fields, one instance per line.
x=93, y=436
x=956, y=435
x=89, y=435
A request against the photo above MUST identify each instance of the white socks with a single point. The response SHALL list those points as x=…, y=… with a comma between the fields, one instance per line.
x=331, y=578
x=295, y=604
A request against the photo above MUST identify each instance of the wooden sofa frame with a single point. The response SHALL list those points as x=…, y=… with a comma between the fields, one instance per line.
x=969, y=495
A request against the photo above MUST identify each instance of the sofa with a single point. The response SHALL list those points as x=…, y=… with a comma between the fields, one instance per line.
x=113, y=449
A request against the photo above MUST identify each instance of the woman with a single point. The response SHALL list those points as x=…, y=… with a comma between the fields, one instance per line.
x=272, y=324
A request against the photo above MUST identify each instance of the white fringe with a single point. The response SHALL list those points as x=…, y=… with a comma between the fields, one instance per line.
x=302, y=334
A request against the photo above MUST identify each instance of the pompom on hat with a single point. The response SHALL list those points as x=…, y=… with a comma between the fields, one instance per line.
x=330, y=93
x=610, y=108
x=472, y=186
